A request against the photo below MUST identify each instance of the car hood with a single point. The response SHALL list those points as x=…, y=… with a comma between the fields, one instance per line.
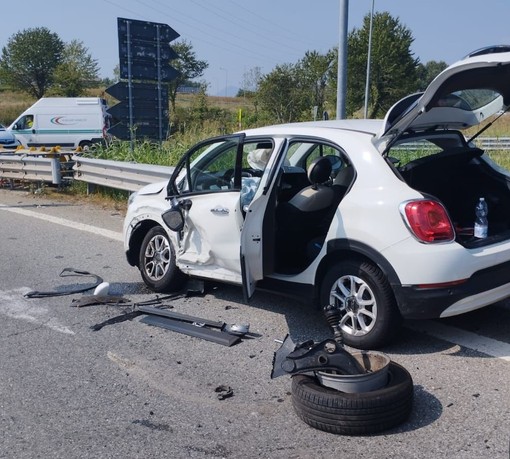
x=153, y=188
x=462, y=96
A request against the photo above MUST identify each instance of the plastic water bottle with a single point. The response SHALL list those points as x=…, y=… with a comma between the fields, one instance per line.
x=481, y=222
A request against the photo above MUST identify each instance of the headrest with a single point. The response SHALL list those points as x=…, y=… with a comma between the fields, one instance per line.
x=319, y=170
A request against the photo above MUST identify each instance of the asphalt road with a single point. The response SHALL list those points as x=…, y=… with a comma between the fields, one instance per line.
x=130, y=390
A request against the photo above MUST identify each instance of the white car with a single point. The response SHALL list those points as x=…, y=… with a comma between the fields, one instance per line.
x=374, y=217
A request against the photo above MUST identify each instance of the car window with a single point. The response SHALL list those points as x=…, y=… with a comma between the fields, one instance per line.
x=302, y=153
x=215, y=167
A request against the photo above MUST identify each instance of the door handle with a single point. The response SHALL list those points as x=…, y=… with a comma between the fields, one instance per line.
x=220, y=210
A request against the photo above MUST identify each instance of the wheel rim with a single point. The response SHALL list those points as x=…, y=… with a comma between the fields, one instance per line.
x=357, y=304
x=157, y=257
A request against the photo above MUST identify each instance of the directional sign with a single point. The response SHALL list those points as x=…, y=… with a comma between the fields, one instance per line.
x=141, y=111
x=142, y=91
x=146, y=30
x=139, y=131
x=147, y=72
x=144, y=50
x=144, y=54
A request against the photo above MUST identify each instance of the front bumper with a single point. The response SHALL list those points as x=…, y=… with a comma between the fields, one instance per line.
x=483, y=288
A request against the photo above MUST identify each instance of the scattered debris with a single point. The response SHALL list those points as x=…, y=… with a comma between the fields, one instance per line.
x=93, y=300
x=198, y=330
x=224, y=392
x=102, y=289
x=79, y=289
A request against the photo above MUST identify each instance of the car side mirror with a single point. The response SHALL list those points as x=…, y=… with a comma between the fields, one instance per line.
x=174, y=219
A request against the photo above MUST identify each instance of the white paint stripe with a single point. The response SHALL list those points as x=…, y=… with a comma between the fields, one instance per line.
x=13, y=304
x=61, y=221
x=464, y=338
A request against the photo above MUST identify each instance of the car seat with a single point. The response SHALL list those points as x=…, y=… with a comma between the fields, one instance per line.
x=298, y=220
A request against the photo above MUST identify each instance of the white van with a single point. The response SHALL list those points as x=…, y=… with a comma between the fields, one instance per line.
x=64, y=121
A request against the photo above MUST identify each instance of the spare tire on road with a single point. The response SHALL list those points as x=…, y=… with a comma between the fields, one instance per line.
x=361, y=413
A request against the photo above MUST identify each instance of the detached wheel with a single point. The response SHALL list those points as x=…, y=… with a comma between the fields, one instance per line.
x=362, y=413
x=157, y=262
x=369, y=313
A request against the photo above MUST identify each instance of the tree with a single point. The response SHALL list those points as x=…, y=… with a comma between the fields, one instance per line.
x=29, y=59
x=281, y=94
x=393, y=70
x=314, y=74
x=187, y=64
x=76, y=72
x=427, y=72
x=251, y=81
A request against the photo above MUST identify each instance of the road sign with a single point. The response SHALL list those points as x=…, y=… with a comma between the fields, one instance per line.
x=146, y=30
x=146, y=72
x=140, y=130
x=142, y=91
x=144, y=50
x=144, y=54
x=148, y=105
x=142, y=110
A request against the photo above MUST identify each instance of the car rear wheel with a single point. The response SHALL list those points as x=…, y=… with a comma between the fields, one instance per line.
x=360, y=413
x=157, y=262
x=369, y=314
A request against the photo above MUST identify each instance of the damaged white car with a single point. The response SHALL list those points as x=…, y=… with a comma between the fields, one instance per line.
x=373, y=216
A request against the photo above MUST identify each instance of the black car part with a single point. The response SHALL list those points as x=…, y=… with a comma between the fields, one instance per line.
x=309, y=357
x=199, y=330
x=79, y=289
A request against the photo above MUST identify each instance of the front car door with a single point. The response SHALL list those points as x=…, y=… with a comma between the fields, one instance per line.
x=215, y=185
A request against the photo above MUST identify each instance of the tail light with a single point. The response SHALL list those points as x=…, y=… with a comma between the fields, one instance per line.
x=428, y=221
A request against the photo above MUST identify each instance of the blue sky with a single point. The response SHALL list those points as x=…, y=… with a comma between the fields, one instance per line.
x=234, y=36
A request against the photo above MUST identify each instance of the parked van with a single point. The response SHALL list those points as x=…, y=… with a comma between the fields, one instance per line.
x=64, y=121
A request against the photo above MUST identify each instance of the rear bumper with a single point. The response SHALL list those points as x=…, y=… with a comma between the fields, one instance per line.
x=481, y=289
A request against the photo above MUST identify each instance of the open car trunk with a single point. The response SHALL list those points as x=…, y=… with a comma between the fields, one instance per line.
x=458, y=177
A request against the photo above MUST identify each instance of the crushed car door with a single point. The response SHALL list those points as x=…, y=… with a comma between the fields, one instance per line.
x=213, y=186
x=203, y=186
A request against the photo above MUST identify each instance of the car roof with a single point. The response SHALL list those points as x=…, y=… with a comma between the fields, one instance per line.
x=370, y=127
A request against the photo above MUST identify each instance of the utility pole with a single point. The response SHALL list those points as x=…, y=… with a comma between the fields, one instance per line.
x=342, y=61
x=369, y=56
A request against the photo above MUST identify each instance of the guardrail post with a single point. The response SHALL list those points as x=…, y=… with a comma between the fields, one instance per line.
x=56, y=175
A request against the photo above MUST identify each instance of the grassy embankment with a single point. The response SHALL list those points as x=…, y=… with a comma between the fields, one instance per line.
x=192, y=130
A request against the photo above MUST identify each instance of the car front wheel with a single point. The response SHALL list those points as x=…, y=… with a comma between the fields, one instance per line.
x=369, y=314
x=157, y=262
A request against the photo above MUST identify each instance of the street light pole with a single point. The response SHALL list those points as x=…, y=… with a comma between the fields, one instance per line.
x=342, y=61
x=369, y=56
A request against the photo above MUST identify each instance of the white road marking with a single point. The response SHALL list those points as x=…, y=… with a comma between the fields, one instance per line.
x=467, y=339
x=61, y=221
x=13, y=304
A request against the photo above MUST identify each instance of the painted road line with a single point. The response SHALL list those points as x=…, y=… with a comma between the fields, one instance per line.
x=464, y=338
x=14, y=305
x=61, y=221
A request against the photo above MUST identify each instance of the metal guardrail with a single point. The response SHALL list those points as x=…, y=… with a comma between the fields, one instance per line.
x=31, y=168
x=48, y=167
x=117, y=174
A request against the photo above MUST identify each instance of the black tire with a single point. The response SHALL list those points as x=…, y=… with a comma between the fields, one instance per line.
x=369, y=315
x=86, y=145
x=157, y=262
x=363, y=413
